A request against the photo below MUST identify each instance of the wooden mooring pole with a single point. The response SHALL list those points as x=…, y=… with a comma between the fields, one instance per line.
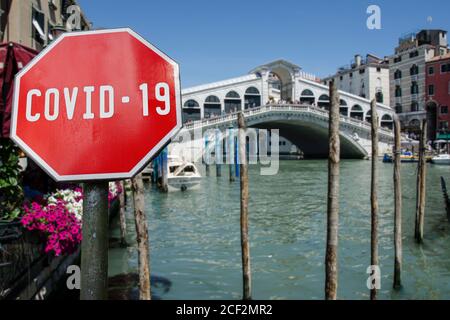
x=142, y=238
x=207, y=157
x=374, y=196
x=397, y=207
x=218, y=155
x=331, y=261
x=164, y=171
x=122, y=217
x=94, y=247
x=245, y=246
x=421, y=184
x=230, y=155
x=446, y=198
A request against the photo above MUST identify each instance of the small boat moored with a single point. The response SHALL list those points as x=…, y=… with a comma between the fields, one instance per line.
x=442, y=159
x=182, y=175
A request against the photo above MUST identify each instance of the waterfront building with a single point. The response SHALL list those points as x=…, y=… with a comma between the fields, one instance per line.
x=408, y=76
x=35, y=23
x=367, y=78
x=438, y=96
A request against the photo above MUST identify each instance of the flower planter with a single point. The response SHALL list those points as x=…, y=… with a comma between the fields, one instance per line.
x=19, y=248
x=10, y=231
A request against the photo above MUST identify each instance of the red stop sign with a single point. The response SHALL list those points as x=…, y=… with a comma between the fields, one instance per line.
x=96, y=105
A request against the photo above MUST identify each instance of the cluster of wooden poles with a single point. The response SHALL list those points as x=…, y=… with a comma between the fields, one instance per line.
x=331, y=261
x=331, y=257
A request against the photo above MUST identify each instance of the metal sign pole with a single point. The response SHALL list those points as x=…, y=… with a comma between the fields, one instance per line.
x=94, y=247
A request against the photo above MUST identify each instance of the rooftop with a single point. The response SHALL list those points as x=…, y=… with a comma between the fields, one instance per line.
x=438, y=58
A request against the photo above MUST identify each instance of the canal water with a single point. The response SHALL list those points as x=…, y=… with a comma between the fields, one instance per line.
x=195, y=239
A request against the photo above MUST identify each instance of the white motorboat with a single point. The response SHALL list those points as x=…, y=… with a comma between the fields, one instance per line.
x=442, y=159
x=182, y=175
x=147, y=173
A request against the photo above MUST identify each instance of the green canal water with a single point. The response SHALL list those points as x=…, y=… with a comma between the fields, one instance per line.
x=195, y=239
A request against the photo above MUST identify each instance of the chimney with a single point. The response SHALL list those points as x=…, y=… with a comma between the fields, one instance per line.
x=357, y=60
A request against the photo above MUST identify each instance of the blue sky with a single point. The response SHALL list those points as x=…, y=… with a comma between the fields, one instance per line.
x=215, y=40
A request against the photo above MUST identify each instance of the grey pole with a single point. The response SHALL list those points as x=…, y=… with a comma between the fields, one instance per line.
x=94, y=247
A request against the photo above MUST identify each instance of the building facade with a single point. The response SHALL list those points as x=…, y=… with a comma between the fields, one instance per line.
x=35, y=23
x=408, y=75
x=367, y=78
x=438, y=97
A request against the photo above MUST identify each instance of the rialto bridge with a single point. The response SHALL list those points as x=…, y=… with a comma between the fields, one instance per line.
x=280, y=96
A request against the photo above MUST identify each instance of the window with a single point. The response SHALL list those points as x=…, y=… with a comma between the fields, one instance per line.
x=397, y=59
x=38, y=22
x=414, y=54
x=379, y=97
x=362, y=71
x=445, y=68
x=414, y=70
x=252, y=98
x=350, y=75
x=343, y=107
x=397, y=74
x=398, y=108
x=356, y=112
x=398, y=91
x=232, y=102
x=387, y=122
x=443, y=125
x=252, y=90
x=431, y=90
x=378, y=69
x=212, y=107
x=191, y=104
x=307, y=97
x=431, y=71
x=444, y=109
x=414, y=88
x=414, y=106
x=341, y=78
x=233, y=95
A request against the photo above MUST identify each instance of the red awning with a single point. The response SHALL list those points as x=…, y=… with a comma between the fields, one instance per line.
x=13, y=57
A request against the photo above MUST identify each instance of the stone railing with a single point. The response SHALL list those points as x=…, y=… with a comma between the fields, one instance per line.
x=281, y=107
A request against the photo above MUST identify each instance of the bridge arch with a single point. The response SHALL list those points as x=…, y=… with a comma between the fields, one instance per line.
x=368, y=117
x=212, y=107
x=309, y=136
x=387, y=122
x=252, y=98
x=307, y=97
x=324, y=102
x=285, y=75
x=191, y=111
x=357, y=112
x=343, y=107
x=233, y=102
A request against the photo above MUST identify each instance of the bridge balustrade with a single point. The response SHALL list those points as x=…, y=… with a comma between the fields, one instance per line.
x=281, y=107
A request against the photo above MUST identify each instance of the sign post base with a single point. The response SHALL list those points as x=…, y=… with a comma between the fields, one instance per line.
x=94, y=246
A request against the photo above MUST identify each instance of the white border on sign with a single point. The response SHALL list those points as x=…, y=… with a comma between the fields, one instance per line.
x=100, y=176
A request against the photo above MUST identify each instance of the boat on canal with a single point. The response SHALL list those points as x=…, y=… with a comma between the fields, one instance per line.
x=182, y=175
x=405, y=157
x=442, y=159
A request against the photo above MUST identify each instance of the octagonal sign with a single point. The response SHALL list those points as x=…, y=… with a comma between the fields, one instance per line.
x=96, y=105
